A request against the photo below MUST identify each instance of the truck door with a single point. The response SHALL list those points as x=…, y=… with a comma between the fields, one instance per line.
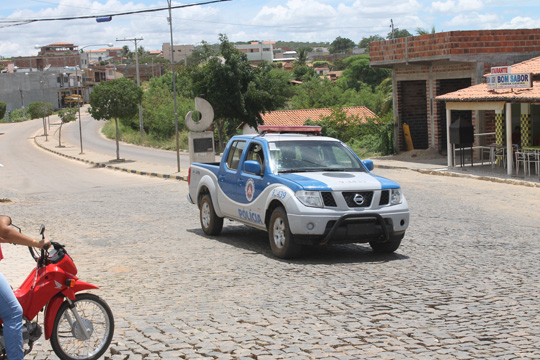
x=228, y=179
x=252, y=184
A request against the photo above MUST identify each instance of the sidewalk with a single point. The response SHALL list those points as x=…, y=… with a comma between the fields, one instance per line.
x=430, y=166
x=132, y=166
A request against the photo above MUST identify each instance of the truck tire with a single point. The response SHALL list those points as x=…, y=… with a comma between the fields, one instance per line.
x=210, y=222
x=279, y=234
x=387, y=247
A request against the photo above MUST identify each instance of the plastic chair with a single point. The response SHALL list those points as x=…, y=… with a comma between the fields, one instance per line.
x=500, y=156
x=522, y=157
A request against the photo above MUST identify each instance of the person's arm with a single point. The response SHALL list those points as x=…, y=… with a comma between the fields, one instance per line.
x=10, y=235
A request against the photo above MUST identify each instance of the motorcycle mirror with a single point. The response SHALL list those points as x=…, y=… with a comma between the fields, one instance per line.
x=42, y=229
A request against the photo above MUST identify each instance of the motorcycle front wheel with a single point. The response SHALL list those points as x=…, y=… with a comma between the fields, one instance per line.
x=71, y=341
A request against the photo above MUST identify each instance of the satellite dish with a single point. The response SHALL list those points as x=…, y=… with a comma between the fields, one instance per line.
x=207, y=116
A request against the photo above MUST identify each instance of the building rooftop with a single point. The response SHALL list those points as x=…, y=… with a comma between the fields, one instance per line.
x=299, y=117
x=481, y=92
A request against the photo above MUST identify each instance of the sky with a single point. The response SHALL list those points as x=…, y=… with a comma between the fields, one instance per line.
x=245, y=20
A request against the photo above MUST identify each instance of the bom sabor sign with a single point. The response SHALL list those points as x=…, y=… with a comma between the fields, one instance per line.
x=503, y=78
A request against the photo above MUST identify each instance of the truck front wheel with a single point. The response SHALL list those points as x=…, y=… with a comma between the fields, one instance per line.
x=281, y=239
x=387, y=247
x=210, y=222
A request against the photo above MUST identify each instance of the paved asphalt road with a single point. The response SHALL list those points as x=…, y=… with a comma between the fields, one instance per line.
x=465, y=284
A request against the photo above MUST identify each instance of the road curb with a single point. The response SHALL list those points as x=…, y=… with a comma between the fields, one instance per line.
x=112, y=167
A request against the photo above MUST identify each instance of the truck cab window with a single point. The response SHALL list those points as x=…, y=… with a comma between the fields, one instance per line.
x=233, y=158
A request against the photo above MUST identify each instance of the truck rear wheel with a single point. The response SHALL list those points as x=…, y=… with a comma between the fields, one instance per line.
x=210, y=222
x=279, y=234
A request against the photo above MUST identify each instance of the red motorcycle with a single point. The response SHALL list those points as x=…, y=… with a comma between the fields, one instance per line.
x=79, y=326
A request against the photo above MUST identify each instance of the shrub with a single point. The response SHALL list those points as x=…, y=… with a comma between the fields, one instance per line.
x=3, y=107
x=40, y=109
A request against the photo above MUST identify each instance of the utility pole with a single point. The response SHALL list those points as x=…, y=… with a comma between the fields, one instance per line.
x=138, y=78
x=174, y=91
x=392, y=27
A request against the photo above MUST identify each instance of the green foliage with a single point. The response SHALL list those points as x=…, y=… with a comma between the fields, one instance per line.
x=237, y=91
x=133, y=136
x=40, y=109
x=68, y=115
x=18, y=115
x=359, y=71
x=364, y=43
x=372, y=136
x=3, y=107
x=302, y=72
x=317, y=64
x=341, y=45
x=398, y=33
x=115, y=99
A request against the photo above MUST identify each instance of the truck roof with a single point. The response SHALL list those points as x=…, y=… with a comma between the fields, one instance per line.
x=285, y=137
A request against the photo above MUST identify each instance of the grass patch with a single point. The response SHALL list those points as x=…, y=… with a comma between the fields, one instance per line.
x=132, y=136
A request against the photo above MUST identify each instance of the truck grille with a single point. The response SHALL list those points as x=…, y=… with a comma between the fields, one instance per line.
x=385, y=197
x=358, y=198
x=328, y=199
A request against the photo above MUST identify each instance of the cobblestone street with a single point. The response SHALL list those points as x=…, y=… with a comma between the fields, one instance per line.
x=465, y=283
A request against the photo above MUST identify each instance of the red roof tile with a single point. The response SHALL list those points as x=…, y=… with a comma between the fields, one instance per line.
x=299, y=117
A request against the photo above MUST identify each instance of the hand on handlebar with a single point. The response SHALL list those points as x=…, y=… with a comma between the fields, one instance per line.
x=44, y=244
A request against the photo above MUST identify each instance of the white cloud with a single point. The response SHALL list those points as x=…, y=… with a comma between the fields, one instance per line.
x=520, y=22
x=458, y=6
x=474, y=21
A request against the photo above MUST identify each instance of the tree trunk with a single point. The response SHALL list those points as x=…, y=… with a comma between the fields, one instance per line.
x=117, y=141
x=60, y=135
x=220, y=123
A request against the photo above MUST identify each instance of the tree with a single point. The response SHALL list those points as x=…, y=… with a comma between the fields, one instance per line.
x=238, y=92
x=302, y=56
x=3, y=107
x=341, y=45
x=359, y=71
x=116, y=99
x=421, y=31
x=66, y=115
x=364, y=43
x=398, y=33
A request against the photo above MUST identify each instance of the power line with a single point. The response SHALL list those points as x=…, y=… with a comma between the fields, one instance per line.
x=13, y=22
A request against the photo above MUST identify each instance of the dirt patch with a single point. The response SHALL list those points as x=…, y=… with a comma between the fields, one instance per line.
x=419, y=155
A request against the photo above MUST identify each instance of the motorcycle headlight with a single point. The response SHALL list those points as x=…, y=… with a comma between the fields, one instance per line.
x=395, y=197
x=310, y=198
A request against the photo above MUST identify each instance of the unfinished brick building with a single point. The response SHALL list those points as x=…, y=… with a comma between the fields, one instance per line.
x=56, y=55
x=426, y=66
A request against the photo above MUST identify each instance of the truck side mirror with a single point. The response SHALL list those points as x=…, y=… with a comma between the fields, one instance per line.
x=368, y=164
x=252, y=167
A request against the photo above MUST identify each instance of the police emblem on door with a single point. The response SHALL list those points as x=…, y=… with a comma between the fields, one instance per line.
x=250, y=189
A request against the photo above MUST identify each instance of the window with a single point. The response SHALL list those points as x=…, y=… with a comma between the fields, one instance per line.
x=312, y=155
x=235, y=152
x=255, y=153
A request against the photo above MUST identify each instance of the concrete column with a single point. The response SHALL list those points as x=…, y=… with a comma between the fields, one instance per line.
x=509, y=150
x=449, y=146
x=525, y=125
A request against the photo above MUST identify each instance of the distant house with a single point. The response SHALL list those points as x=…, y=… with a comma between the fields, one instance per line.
x=300, y=116
x=258, y=51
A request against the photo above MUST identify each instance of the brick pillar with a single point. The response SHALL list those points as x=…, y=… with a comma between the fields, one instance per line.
x=525, y=124
x=499, y=128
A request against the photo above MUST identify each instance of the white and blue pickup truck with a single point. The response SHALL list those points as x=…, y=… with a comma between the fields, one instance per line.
x=301, y=189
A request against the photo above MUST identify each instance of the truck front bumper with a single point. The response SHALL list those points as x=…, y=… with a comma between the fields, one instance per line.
x=348, y=228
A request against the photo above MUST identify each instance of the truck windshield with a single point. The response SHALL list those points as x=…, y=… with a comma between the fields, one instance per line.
x=317, y=155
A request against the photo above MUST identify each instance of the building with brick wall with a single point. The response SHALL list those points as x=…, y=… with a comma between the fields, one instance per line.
x=427, y=66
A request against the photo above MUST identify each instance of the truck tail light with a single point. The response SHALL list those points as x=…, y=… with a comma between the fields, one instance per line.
x=189, y=176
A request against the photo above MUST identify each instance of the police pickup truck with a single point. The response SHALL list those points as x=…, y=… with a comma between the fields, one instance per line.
x=301, y=189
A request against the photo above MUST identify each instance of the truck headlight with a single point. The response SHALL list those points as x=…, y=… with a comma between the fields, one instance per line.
x=310, y=198
x=395, y=197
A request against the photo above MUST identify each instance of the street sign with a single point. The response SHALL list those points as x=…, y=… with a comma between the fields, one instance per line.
x=509, y=81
